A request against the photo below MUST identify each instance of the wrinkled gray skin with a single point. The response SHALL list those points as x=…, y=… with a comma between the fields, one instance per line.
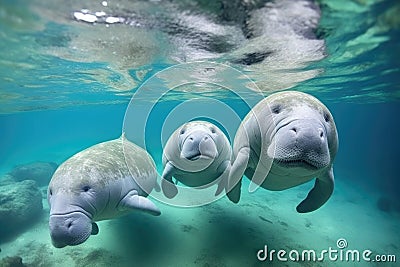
x=198, y=155
x=287, y=139
x=95, y=184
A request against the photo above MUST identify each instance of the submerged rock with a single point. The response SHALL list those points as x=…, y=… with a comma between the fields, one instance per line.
x=20, y=206
x=7, y=179
x=41, y=172
x=14, y=261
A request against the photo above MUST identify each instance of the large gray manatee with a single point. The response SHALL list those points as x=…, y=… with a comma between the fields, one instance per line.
x=287, y=139
x=96, y=184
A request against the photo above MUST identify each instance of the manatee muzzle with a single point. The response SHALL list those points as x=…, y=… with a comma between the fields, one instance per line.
x=301, y=143
x=198, y=145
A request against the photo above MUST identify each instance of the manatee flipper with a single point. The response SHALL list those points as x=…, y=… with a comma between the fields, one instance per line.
x=157, y=187
x=258, y=177
x=236, y=173
x=95, y=229
x=133, y=201
x=168, y=187
x=224, y=167
x=262, y=168
x=320, y=193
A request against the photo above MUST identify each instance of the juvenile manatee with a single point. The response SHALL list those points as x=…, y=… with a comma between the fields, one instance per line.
x=197, y=154
x=96, y=184
x=287, y=139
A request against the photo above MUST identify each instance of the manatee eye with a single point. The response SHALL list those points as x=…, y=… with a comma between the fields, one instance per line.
x=86, y=188
x=326, y=117
x=182, y=131
x=213, y=130
x=276, y=109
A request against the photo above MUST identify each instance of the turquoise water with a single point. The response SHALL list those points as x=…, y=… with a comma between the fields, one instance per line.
x=66, y=84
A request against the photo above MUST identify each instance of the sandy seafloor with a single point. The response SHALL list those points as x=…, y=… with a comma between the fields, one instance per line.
x=225, y=234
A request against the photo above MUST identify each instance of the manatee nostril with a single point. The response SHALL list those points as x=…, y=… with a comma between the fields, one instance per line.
x=69, y=225
x=321, y=133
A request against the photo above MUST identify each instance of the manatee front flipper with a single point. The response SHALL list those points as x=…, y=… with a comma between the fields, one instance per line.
x=157, y=187
x=133, y=201
x=168, y=187
x=321, y=192
x=236, y=173
x=258, y=177
x=225, y=168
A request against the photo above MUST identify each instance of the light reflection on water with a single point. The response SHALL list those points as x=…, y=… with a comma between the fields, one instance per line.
x=334, y=49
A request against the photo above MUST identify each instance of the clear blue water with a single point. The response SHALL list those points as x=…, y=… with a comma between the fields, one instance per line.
x=66, y=84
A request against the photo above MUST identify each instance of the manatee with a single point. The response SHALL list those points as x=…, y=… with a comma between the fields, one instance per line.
x=96, y=184
x=198, y=155
x=287, y=139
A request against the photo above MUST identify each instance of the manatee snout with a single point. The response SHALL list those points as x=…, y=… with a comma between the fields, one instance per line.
x=301, y=143
x=199, y=144
x=70, y=229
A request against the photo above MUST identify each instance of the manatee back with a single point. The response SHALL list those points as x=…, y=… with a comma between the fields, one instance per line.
x=106, y=163
x=140, y=165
